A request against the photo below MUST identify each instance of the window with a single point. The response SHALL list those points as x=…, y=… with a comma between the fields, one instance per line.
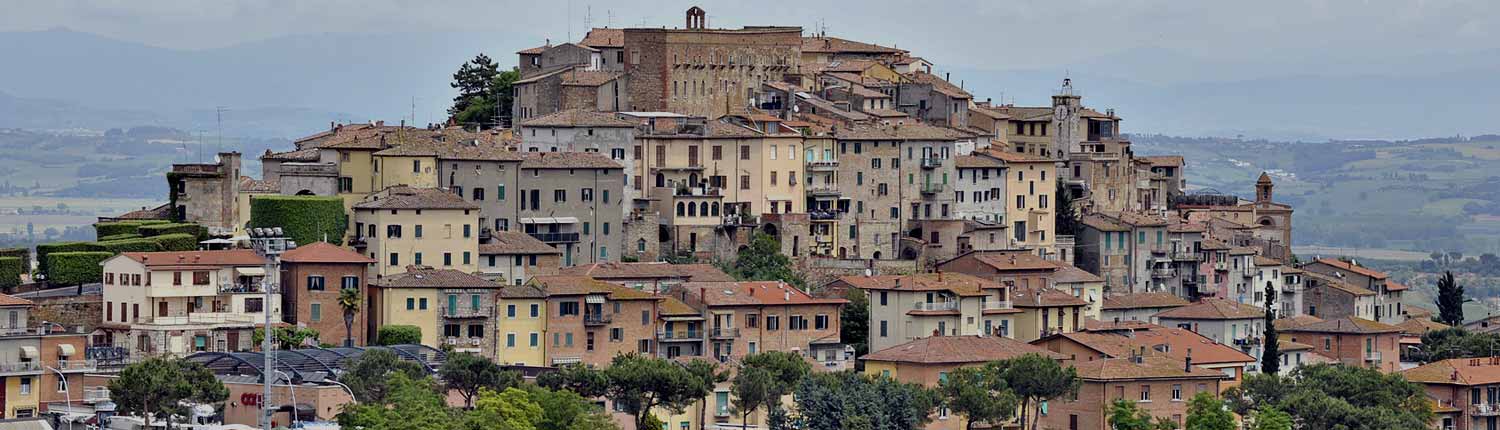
x=1177, y=392
x=534, y=338
x=586, y=194
x=417, y=258
x=567, y=309
x=744, y=182
x=1145, y=393
x=510, y=340
x=411, y=303
x=316, y=312
x=394, y=260
x=25, y=386
x=478, y=194
x=394, y=231
x=744, y=152
x=773, y=322
x=820, y=322
x=200, y=277
x=349, y=282
x=422, y=303
x=535, y=310
x=883, y=329
x=315, y=283
x=559, y=196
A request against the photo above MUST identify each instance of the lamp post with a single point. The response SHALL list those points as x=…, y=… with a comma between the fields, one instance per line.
x=293, y=388
x=341, y=385
x=269, y=242
x=67, y=392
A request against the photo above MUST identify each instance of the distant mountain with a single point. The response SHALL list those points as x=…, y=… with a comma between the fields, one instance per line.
x=37, y=113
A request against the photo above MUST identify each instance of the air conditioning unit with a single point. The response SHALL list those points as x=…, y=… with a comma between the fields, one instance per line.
x=474, y=341
x=450, y=341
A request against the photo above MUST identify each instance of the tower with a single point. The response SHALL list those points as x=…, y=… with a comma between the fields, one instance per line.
x=697, y=19
x=1263, y=188
x=1065, y=107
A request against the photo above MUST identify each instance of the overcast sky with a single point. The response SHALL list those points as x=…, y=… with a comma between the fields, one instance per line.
x=973, y=34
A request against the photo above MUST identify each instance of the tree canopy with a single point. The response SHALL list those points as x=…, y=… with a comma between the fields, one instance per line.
x=854, y=321
x=370, y=375
x=1125, y=415
x=849, y=400
x=763, y=261
x=1270, y=353
x=1037, y=379
x=484, y=92
x=1207, y=412
x=1438, y=345
x=639, y=383
x=469, y=373
x=1450, y=300
x=156, y=387
x=980, y=394
x=1325, y=396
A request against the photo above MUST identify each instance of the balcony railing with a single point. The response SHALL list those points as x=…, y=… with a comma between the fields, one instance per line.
x=998, y=305
x=698, y=192
x=206, y=318
x=1373, y=356
x=818, y=189
x=1221, y=267
x=20, y=367
x=933, y=188
x=468, y=312
x=1484, y=410
x=95, y=394
x=674, y=335
x=822, y=165
x=555, y=237
x=241, y=288
x=931, y=162
x=1184, y=255
x=724, y=333
x=597, y=319
x=1164, y=272
x=935, y=306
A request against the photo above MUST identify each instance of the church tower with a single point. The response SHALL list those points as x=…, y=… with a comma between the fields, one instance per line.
x=1263, y=188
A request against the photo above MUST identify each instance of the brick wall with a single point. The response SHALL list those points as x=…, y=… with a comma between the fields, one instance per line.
x=298, y=300
x=1090, y=408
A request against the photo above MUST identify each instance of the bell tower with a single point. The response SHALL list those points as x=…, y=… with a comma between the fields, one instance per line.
x=697, y=19
x=1263, y=188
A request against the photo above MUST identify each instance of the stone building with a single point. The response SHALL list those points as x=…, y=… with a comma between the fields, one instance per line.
x=928, y=361
x=512, y=257
x=1160, y=386
x=934, y=100
x=404, y=226
x=908, y=307
x=571, y=87
x=206, y=193
x=748, y=317
x=891, y=177
x=1388, y=306
x=590, y=321
x=697, y=70
x=579, y=130
x=571, y=200
x=1352, y=341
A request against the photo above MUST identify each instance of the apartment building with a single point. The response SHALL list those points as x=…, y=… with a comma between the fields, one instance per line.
x=1388, y=308
x=927, y=362
x=907, y=307
x=649, y=276
x=1045, y=311
x=1160, y=386
x=586, y=184
x=313, y=276
x=177, y=303
x=1153, y=340
x=682, y=329
x=580, y=130
x=1465, y=392
x=979, y=194
x=697, y=70
x=748, y=317
x=891, y=179
x=512, y=257
x=934, y=100
x=590, y=321
x=823, y=48
x=521, y=325
x=453, y=308
x=1352, y=341
x=405, y=226
x=33, y=357
x=1330, y=297
x=1138, y=306
x=1030, y=189
x=1267, y=222
x=1224, y=321
x=1168, y=179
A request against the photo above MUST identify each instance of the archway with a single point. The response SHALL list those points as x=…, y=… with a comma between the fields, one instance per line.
x=305, y=193
x=877, y=255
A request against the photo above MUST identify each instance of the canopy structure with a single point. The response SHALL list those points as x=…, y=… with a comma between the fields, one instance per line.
x=311, y=364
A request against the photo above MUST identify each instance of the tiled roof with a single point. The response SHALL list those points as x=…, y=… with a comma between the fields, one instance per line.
x=673, y=307
x=1102, y=223
x=1347, y=325
x=958, y=283
x=1395, y=286
x=989, y=112
x=940, y=85
x=648, y=270
x=1162, y=160
x=252, y=185
x=324, y=252
x=1067, y=274
x=569, y=285
x=476, y=151
x=1457, y=371
x=756, y=293
x=404, y=197
x=1126, y=369
x=1013, y=157
x=958, y=349
x=527, y=291
x=305, y=154
x=1043, y=298
x=604, y=38
x=228, y=257
x=9, y=300
x=1143, y=300
x=1214, y=309
x=1350, y=267
x=577, y=118
x=567, y=160
x=976, y=162
x=836, y=45
x=1321, y=280
x=535, y=50
x=885, y=113
x=1420, y=326
x=1288, y=323
x=1151, y=340
x=1179, y=226
x=1288, y=346
x=1012, y=260
x=908, y=131
x=160, y=212
x=426, y=277
x=1264, y=261
x=1027, y=113
x=1091, y=324
x=514, y=242
x=1138, y=220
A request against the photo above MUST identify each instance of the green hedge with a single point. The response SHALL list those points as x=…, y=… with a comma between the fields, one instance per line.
x=304, y=219
x=47, y=248
x=398, y=335
x=176, y=242
x=121, y=236
x=10, y=272
x=161, y=229
x=115, y=228
x=74, y=268
x=24, y=254
x=143, y=244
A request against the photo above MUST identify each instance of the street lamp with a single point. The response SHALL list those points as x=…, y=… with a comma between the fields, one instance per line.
x=341, y=384
x=293, y=388
x=269, y=242
x=67, y=392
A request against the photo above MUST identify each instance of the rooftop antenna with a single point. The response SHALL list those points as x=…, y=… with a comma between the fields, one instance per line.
x=588, y=17
x=219, y=115
x=414, y=111
x=570, y=21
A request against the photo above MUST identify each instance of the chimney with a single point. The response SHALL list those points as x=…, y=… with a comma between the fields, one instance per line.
x=947, y=75
x=380, y=123
x=1187, y=362
x=786, y=296
x=940, y=275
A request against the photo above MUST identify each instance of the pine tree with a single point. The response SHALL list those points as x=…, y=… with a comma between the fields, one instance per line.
x=1270, y=355
x=1450, y=300
x=1066, y=218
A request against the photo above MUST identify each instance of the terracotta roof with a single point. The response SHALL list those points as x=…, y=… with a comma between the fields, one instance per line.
x=324, y=252
x=476, y=151
x=989, y=112
x=1091, y=324
x=1012, y=157
x=1243, y=250
x=427, y=277
x=305, y=154
x=1179, y=226
x=1143, y=300
x=908, y=131
x=228, y=257
x=1457, y=371
x=1155, y=340
x=577, y=118
x=1287, y=346
x=9, y=300
x=1162, y=160
x=1395, y=286
x=252, y=185
x=976, y=162
x=1321, y=280
x=1012, y=260
x=940, y=85
x=604, y=38
x=755, y=293
x=1214, y=309
x=1264, y=261
x=568, y=285
x=647, y=270
x=160, y=212
x=1043, y=298
x=409, y=149
x=527, y=291
x=885, y=113
x=514, y=242
x=535, y=50
x=1117, y=369
x=1350, y=267
x=567, y=160
x=1102, y=223
x=837, y=45
x=1213, y=244
x=405, y=197
x=1138, y=219
x=673, y=307
x=1027, y=113
x=1296, y=321
x=957, y=283
x=1420, y=326
x=958, y=349
x=1067, y=274
x=1347, y=325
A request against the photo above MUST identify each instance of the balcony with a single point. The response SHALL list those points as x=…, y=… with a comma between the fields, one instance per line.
x=724, y=333
x=998, y=305
x=1221, y=267
x=21, y=368
x=1164, y=272
x=468, y=312
x=1373, y=356
x=933, y=188
x=1185, y=255
x=698, y=192
x=1484, y=410
x=596, y=319
x=1247, y=341
x=359, y=242
x=679, y=335
x=931, y=162
x=462, y=342
x=207, y=318
x=822, y=190
x=93, y=395
x=822, y=166
x=241, y=288
x=555, y=237
x=693, y=167
x=936, y=306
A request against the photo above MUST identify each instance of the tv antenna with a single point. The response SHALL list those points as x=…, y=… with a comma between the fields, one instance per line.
x=219, y=116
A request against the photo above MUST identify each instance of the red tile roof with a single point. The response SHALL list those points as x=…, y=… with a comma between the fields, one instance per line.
x=756, y=293
x=686, y=272
x=1126, y=369
x=1347, y=325
x=324, y=252
x=957, y=283
x=1214, y=309
x=9, y=300
x=426, y=277
x=1457, y=371
x=958, y=350
x=515, y=242
x=231, y=257
x=1043, y=298
x=1350, y=267
x=1143, y=300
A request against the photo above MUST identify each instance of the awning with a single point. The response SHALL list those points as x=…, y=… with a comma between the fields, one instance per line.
x=550, y=220
x=566, y=360
x=29, y=352
x=594, y=298
x=250, y=271
x=65, y=349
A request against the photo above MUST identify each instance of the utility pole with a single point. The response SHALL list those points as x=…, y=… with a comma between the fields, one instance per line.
x=219, y=116
x=269, y=243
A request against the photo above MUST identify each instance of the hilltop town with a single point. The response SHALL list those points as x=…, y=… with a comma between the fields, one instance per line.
x=710, y=197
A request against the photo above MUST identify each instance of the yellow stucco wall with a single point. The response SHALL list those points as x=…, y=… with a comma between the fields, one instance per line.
x=394, y=312
x=1027, y=179
x=398, y=170
x=521, y=326
x=15, y=400
x=442, y=232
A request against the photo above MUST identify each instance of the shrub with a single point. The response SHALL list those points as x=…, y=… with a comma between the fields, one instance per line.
x=122, y=236
x=10, y=272
x=47, y=248
x=75, y=268
x=176, y=242
x=115, y=228
x=161, y=229
x=304, y=219
x=24, y=254
x=142, y=244
x=398, y=334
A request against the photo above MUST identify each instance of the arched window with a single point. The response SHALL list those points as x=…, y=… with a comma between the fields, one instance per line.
x=681, y=210
x=661, y=180
x=715, y=208
x=640, y=245
x=692, y=209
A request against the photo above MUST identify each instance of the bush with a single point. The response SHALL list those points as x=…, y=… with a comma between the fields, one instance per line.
x=10, y=272
x=47, y=248
x=75, y=268
x=304, y=219
x=398, y=334
x=142, y=244
x=24, y=254
x=162, y=229
x=115, y=228
x=122, y=236
x=176, y=242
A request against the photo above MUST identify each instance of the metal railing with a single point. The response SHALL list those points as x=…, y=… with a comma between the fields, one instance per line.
x=555, y=237
x=1373, y=356
x=998, y=305
x=724, y=333
x=935, y=306
x=680, y=334
x=95, y=394
x=933, y=187
x=931, y=162
x=468, y=311
x=1484, y=409
x=1164, y=272
x=21, y=367
x=253, y=287
x=822, y=165
x=597, y=319
x=821, y=188
x=205, y=318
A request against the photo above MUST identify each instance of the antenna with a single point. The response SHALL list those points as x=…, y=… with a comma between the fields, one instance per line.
x=570, y=20
x=588, y=17
x=609, y=18
x=219, y=114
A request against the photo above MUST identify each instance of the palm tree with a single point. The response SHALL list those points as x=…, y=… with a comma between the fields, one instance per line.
x=349, y=300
